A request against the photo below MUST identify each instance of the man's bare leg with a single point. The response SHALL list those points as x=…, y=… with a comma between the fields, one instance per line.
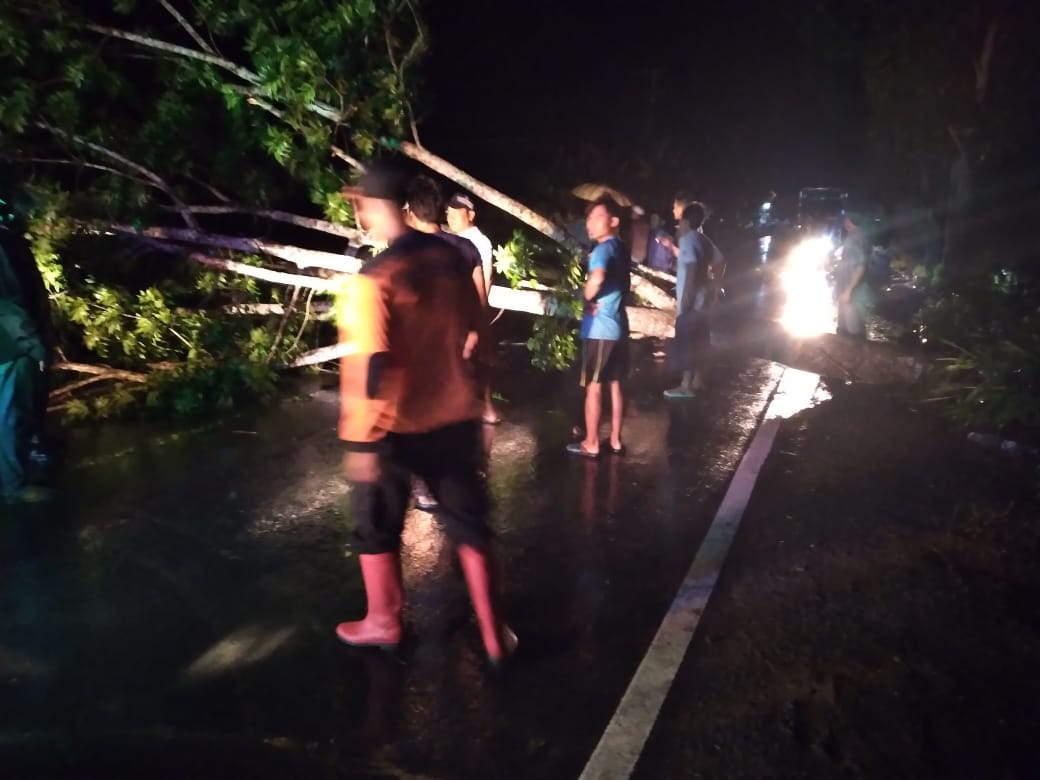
x=593, y=407
x=490, y=413
x=617, y=414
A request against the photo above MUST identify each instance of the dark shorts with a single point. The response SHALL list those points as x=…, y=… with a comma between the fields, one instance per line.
x=692, y=341
x=450, y=461
x=603, y=361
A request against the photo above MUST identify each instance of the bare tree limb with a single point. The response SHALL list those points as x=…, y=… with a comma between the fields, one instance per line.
x=149, y=174
x=322, y=309
x=72, y=387
x=664, y=277
x=243, y=269
x=307, y=319
x=267, y=275
x=97, y=167
x=253, y=100
x=301, y=258
x=289, y=311
x=103, y=371
x=188, y=28
x=643, y=322
x=489, y=194
x=211, y=189
x=318, y=107
x=319, y=225
x=399, y=72
x=351, y=161
x=181, y=51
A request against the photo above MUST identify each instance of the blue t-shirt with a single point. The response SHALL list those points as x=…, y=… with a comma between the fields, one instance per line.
x=695, y=253
x=609, y=322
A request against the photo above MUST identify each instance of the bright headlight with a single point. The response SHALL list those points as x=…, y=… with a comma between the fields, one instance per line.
x=809, y=305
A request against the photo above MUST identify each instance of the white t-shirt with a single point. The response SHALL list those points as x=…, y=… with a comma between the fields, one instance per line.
x=483, y=245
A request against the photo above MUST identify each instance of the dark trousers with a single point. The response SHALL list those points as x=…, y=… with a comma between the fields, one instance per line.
x=449, y=460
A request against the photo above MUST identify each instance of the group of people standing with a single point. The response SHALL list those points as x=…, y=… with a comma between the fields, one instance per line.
x=414, y=389
x=699, y=268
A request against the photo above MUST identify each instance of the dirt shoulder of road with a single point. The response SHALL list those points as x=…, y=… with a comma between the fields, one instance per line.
x=879, y=615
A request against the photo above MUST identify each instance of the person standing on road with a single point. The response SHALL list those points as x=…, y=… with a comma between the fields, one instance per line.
x=640, y=229
x=410, y=406
x=604, y=327
x=851, y=286
x=22, y=365
x=461, y=215
x=423, y=213
x=699, y=270
x=25, y=279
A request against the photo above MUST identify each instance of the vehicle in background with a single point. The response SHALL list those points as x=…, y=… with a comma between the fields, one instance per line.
x=820, y=212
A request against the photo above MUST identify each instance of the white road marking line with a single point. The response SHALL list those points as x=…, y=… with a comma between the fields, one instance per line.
x=623, y=740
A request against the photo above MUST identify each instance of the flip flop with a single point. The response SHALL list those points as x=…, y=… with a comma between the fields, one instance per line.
x=679, y=394
x=618, y=450
x=491, y=420
x=577, y=448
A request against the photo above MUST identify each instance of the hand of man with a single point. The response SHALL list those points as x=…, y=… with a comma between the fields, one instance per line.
x=361, y=466
x=845, y=297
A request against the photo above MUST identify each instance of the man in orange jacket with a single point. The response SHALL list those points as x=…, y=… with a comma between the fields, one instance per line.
x=411, y=406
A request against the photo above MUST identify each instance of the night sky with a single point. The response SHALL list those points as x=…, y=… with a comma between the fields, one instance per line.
x=727, y=99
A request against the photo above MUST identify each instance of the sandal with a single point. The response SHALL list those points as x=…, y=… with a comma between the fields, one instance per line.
x=578, y=448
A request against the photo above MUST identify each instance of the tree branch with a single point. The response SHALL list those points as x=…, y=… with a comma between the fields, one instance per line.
x=188, y=28
x=181, y=51
x=152, y=176
x=301, y=258
x=267, y=275
x=489, y=194
x=97, y=167
x=318, y=107
x=351, y=161
x=642, y=321
x=242, y=269
x=319, y=225
x=106, y=372
x=399, y=72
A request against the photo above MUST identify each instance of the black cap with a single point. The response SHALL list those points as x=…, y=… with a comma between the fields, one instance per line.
x=382, y=180
x=461, y=200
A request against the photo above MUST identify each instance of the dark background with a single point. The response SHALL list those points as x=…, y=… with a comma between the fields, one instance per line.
x=727, y=99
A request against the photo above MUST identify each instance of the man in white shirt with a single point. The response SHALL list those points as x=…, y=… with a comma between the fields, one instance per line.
x=462, y=222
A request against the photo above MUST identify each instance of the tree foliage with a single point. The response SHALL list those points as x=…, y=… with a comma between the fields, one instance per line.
x=163, y=111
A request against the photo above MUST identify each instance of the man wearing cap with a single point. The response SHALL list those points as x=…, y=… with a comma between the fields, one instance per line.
x=462, y=222
x=410, y=407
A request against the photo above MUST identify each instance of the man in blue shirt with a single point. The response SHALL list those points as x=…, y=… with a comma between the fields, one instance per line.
x=699, y=268
x=604, y=328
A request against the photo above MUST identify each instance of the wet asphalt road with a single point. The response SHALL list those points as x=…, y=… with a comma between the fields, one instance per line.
x=174, y=616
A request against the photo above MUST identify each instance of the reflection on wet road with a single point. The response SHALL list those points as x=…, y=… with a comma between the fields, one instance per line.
x=190, y=613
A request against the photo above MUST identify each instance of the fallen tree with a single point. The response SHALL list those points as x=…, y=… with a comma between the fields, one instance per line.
x=223, y=140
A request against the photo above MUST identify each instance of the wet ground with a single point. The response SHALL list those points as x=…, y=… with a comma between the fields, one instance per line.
x=177, y=616
x=878, y=616
x=174, y=616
